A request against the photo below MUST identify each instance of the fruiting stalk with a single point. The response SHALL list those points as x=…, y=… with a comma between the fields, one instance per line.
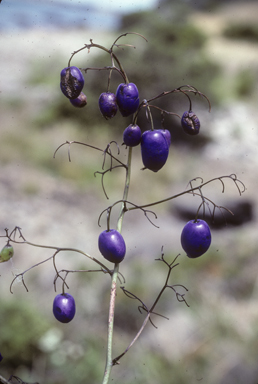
x=109, y=360
x=126, y=190
x=150, y=116
x=88, y=46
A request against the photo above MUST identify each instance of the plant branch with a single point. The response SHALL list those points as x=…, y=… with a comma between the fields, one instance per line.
x=57, y=250
x=10, y=380
x=151, y=310
x=111, y=315
x=109, y=361
x=191, y=190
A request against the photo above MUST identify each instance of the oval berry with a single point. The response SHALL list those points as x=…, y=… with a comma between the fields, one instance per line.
x=132, y=135
x=80, y=101
x=72, y=82
x=64, y=307
x=112, y=246
x=154, y=149
x=196, y=238
x=6, y=253
x=190, y=123
x=127, y=97
x=108, y=105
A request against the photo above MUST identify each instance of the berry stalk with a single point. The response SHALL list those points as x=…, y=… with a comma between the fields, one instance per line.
x=109, y=359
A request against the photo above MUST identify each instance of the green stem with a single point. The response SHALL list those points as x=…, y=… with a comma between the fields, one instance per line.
x=126, y=190
x=150, y=116
x=109, y=360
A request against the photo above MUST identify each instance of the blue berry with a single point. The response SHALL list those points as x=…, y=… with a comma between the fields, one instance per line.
x=108, y=105
x=190, y=123
x=80, y=101
x=72, y=82
x=196, y=238
x=112, y=246
x=154, y=149
x=132, y=135
x=127, y=96
x=64, y=307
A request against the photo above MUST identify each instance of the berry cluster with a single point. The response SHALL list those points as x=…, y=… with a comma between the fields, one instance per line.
x=155, y=144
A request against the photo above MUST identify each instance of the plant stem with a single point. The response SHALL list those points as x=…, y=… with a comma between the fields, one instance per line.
x=146, y=318
x=109, y=360
x=88, y=46
x=150, y=116
x=126, y=190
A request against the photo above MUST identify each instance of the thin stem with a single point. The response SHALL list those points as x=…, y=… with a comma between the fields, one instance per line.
x=88, y=46
x=128, y=33
x=189, y=89
x=3, y=380
x=150, y=116
x=146, y=318
x=109, y=360
x=60, y=249
x=191, y=190
x=10, y=381
x=134, y=340
x=87, y=145
x=109, y=68
x=126, y=190
x=105, y=269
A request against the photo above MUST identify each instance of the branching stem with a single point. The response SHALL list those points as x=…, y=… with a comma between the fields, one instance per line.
x=151, y=310
x=191, y=190
x=109, y=360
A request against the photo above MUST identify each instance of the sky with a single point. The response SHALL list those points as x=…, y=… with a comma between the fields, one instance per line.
x=17, y=14
x=114, y=5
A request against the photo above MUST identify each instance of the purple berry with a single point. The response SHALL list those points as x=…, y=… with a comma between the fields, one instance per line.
x=80, y=101
x=64, y=307
x=1, y=357
x=190, y=123
x=127, y=96
x=154, y=149
x=196, y=238
x=132, y=135
x=72, y=82
x=108, y=105
x=112, y=246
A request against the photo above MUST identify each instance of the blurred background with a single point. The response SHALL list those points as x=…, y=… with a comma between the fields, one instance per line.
x=212, y=45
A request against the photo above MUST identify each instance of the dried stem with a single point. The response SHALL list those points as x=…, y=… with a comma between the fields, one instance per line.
x=180, y=297
x=232, y=177
x=57, y=250
x=10, y=380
